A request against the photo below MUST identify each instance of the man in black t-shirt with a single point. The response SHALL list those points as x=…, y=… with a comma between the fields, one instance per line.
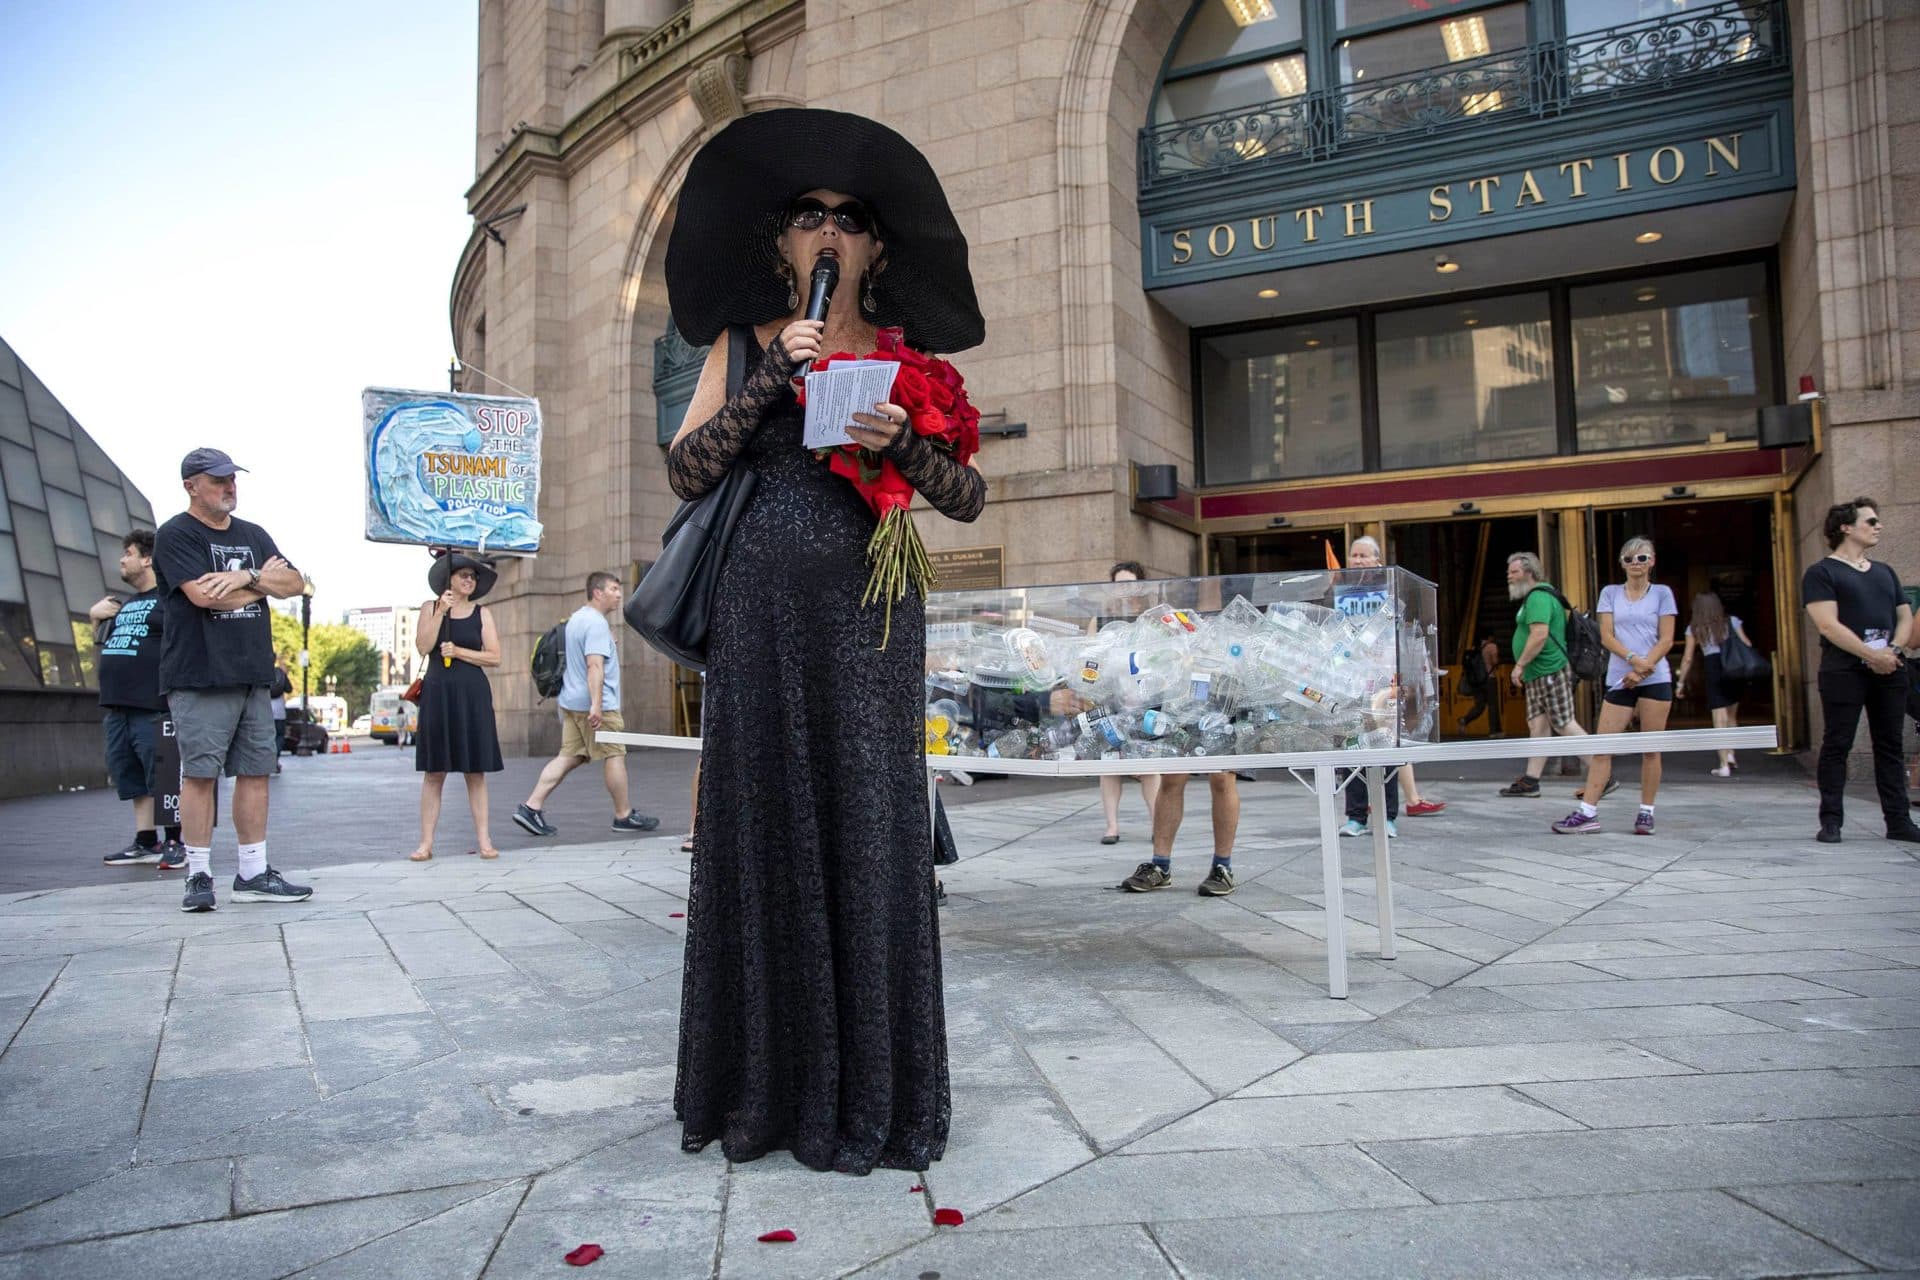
x=128, y=661
x=1864, y=622
x=216, y=574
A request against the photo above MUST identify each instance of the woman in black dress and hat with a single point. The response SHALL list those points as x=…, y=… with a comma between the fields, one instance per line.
x=811, y=1016
x=457, y=733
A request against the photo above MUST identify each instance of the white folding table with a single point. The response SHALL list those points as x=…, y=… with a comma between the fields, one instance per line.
x=1322, y=764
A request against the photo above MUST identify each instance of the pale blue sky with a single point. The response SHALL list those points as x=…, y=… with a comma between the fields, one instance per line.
x=219, y=221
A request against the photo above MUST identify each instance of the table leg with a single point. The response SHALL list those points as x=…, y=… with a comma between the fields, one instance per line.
x=1382, y=858
x=1324, y=792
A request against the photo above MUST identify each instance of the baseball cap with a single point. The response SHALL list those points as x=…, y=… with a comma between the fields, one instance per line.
x=211, y=462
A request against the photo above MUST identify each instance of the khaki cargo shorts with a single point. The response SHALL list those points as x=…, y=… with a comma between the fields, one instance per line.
x=577, y=736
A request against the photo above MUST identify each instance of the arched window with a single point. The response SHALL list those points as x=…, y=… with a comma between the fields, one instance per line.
x=1232, y=55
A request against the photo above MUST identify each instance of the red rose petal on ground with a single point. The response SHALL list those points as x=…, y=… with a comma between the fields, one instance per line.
x=915, y=1190
x=948, y=1217
x=585, y=1254
x=782, y=1236
x=676, y=915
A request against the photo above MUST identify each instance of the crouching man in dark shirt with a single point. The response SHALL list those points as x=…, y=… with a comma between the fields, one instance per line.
x=216, y=667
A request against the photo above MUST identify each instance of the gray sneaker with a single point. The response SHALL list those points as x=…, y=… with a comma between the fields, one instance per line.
x=635, y=821
x=1218, y=884
x=1145, y=878
x=534, y=821
x=134, y=855
x=269, y=886
x=173, y=855
x=199, y=896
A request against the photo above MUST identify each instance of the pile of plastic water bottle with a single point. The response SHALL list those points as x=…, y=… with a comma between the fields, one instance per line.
x=1295, y=676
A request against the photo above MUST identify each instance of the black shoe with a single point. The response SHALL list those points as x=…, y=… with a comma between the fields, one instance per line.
x=1146, y=878
x=1829, y=834
x=1524, y=785
x=635, y=821
x=199, y=893
x=534, y=821
x=1218, y=884
x=1909, y=834
x=134, y=855
x=269, y=886
x=173, y=856
x=940, y=893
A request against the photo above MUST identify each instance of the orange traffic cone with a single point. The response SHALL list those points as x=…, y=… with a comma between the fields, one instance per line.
x=346, y=748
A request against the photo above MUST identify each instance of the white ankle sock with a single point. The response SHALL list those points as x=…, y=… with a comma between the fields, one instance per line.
x=199, y=861
x=1588, y=810
x=253, y=860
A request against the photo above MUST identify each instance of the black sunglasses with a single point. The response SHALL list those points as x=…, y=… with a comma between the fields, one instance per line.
x=1872, y=522
x=851, y=217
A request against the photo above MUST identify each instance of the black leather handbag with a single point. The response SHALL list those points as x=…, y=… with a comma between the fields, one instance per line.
x=671, y=606
x=1738, y=661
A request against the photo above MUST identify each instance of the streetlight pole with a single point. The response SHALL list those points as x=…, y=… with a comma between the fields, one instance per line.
x=306, y=622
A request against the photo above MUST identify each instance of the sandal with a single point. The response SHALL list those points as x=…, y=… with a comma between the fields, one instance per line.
x=487, y=855
x=686, y=846
x=1112, y=839
x=420, y=855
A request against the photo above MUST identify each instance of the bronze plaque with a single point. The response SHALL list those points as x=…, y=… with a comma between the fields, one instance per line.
x=969, y=568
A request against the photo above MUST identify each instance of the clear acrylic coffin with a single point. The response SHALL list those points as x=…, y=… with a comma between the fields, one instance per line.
x=1184, y=667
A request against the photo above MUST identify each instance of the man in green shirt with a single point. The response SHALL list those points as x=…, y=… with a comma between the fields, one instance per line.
x=1539, y=663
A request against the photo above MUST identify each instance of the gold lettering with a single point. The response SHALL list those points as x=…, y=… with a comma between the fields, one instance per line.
x=1620, y=162
x=1317, y=211
x=1679, y=165
x=1365, y=220
x=1730, y=154
x=1213, y=241
x=1254, y=223
x=1579, y=178
x=1183, y=246
x=1529, y=188
x=1486, y=187
x=1440, y=202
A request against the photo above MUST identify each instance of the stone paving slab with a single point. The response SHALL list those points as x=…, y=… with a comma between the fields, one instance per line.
x=1694, y=1055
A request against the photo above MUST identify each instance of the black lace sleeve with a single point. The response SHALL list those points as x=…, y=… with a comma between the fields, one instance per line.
x=957, y=492
x=699, y=459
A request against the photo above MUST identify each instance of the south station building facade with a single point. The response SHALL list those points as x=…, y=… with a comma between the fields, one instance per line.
x=1261, y=275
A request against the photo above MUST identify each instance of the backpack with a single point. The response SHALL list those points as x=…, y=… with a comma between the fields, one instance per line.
x=1586, y=656
x=550, y=661
x=1474, y=672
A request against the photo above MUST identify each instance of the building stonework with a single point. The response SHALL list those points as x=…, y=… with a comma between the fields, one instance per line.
x=589, y=114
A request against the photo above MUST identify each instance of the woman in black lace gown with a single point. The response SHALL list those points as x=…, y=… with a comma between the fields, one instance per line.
x=811, y=1018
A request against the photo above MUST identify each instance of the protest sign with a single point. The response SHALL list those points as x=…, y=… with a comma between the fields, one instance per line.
x=449, y=470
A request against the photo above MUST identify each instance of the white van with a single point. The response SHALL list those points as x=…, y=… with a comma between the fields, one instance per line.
x=394, y=719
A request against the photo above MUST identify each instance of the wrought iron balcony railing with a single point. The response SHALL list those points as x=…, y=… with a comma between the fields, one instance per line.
x=1732, y=38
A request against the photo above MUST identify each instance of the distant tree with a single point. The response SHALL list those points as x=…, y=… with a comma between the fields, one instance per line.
x=336, y=650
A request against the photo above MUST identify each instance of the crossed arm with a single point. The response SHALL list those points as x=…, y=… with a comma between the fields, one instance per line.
x=235, y=588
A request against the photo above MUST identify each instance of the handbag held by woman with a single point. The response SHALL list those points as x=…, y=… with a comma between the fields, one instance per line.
x=673, y=602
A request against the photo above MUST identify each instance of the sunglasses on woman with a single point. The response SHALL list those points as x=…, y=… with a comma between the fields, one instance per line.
x=851, y=217
x=1640, y=558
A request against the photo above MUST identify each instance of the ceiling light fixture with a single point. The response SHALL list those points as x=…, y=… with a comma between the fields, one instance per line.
x=1444, y=265
x=1268, y=293
x=1648, y=237
x=1647, y=294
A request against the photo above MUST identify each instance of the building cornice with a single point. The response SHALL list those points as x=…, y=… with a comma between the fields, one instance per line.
x=661, y=62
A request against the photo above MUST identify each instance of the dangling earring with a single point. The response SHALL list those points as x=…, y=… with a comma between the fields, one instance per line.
x=793, y=291
x=867, y=303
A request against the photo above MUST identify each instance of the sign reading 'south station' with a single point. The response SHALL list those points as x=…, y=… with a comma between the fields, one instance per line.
x=1252, y=233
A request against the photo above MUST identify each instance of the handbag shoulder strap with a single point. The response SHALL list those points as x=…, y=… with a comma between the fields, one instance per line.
x=738, y=336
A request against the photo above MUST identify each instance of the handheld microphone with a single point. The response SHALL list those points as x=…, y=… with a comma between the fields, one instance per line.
x=826, y=274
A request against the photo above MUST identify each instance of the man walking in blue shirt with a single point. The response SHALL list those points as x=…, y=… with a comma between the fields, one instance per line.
x=589, y=702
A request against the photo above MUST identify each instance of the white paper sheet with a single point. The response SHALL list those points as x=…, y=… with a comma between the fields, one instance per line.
x=839, y=391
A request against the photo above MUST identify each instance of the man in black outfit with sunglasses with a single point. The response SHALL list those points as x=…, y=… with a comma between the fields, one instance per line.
x=1864, y=622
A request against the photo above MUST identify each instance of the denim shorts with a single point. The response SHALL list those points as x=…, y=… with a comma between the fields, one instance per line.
x=131, y=739
x=224, y=731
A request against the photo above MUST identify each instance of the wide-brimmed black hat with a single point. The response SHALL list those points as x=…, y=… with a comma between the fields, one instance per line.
x=441, y=573
x=722, y=267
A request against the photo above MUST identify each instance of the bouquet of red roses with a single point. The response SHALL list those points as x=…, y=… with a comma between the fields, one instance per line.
x=935, y=398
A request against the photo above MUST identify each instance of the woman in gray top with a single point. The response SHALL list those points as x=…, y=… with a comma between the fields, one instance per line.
x=1636, y=625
